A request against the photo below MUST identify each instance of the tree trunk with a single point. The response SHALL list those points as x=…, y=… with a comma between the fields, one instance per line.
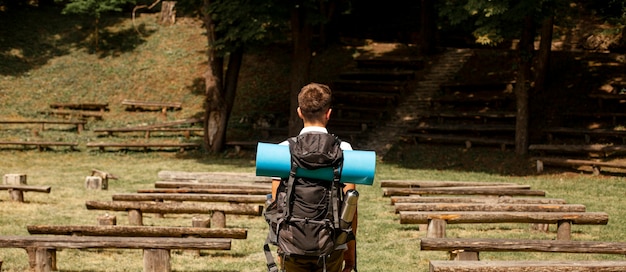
x=526, y=49
x=301, y=64
x=541, y=73
x=168, y=13
x=215, y=102
x=427, y=27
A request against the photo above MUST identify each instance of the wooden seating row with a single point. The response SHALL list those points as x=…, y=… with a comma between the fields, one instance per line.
x=79, y=124
x=81, y=106
x=17, y=191
x=156, y=257
x=596, y=165
x=465, y=253
x=143, y=146
x=40, y=145
x=134, y=105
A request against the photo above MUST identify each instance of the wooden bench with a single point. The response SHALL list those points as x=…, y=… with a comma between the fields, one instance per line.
x=395, y=62
x=586, y=133
x=156, y=250
x=600, y=150
x=469, y=141
x=607, y=96
x=145, y=146
x=473, y=87
x=246, y=191
x=137, y=231
x=221, y=177
x=395, y=200
x=513, y=190
x=378, y=75
x=525, y=266
x=614, y=116
x=147, y=131
x=469, y=249
x=488, y=207
x=74, y=114
x=17, y=191
x=136, y=209
x=477, y=115
x=435, y=183
x=478, y=128
x=207, y=185
x=595, y=165
x=134, y=105
x=81, y=106
x=160, y=197
x=79, y=124
x=437, y=221
x=40, y=145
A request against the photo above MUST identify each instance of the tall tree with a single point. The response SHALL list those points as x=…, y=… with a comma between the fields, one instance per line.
x=94, y=9
x=496, y=21
x=231, y=27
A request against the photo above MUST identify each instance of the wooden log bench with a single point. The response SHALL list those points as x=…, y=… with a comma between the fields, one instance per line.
x=138, y=105
x=469, y=141
x=379, y=75
x=526, y=266
x=137, y=231
x=475, y=128
x=187, y=132
x=435, y=183
x=472, y=199
x=594, y=150
x=156, y=250
x=613, y=116
x=40, y=145
x=81, y=106
x=488, y=207
x=160, y=197
x=17, y=191
x=79, y=124
x=144, y=146
x=228, y=177
x=239, y=191
x=437, y=221
x=208, y=185
x=136, y=209
x=469, y=249
x=387, y=62
x=74, y=114
x=601, y=97
x=514, y=190
x=595, y=165
x=586, y=133
x=484, y=116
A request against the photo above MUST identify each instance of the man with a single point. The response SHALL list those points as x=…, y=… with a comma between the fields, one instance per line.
x=314, y=109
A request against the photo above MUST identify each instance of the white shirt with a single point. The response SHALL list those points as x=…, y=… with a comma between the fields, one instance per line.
x=344, y=145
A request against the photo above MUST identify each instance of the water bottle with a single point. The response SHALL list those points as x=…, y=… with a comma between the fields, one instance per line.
x=347, y=213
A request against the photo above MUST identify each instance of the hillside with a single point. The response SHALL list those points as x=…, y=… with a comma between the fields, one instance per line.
x=57, y=64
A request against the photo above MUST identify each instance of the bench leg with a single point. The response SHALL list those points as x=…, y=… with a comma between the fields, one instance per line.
x=564, y=230
x=218, y=219
x=156, y=260
x=436, y=228
x=596, y=170
x=135, y=217
x=42, y=259
x=16, y=195
x=539, y=166
x=461, y=255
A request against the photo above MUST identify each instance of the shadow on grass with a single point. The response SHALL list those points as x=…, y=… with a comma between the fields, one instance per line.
x=31, y=36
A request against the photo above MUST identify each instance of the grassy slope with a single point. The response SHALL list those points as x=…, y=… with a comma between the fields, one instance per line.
x=54, y=64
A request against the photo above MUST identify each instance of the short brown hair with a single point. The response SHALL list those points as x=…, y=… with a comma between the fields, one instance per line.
x=314, y=101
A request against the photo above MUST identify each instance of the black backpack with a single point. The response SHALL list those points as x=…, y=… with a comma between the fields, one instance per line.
x=304, y=218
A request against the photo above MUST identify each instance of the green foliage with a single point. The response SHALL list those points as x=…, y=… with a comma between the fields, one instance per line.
x=94, y=8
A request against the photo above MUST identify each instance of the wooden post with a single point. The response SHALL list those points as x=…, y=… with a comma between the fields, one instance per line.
x=218, y=219
x=156, y=260
x=564, y=230
x=93, y=183
x=199, y=222
x=14, y=179
x=135, y=217
x=45, y=260
x=107, y=220
x=436, y=228
x=462, y=255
